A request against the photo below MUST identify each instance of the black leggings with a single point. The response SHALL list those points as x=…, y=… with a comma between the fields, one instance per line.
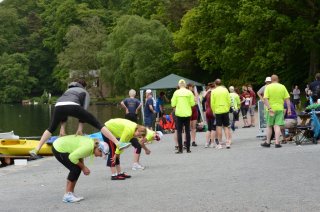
x=183, y=121
x=135, y=143
x=62, y=112
x=63, y=158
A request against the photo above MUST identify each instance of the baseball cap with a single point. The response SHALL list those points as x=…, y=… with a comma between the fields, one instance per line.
x=103, y=147
x=148, y=91
x=158, y=136
x=268, y=79
x=182, y=81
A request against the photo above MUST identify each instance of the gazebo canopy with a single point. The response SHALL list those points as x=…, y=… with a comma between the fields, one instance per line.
x=170, y=81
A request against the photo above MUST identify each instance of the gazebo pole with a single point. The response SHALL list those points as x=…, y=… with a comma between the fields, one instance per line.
x=142, y=108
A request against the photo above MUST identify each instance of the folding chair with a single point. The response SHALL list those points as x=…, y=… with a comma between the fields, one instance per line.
x=303, y=134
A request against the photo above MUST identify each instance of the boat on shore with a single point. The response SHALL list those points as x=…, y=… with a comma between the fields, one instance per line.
x=21, y=147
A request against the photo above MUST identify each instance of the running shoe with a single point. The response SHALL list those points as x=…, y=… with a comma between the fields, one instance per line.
x=265, y=144
x=117, y=177
x=206, y=145
x=211, y=145
x=219, y=146
x=122, y=145
x=194, y=143
x=33, y=153
x=137, y=166
x=125, y=175
x=277, y=146
x=69, y=197
x=81, y=198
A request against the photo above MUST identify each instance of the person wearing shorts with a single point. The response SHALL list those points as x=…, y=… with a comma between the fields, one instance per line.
x=74, y=102
x=290, y=121
x=211, y=121
x=194, y=115
x=220, y=105
x=132, y=106
x=70, y=151
x=130, y=132
x=274, y=96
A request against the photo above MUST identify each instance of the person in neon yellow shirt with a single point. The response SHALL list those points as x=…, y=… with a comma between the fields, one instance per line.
x=70, y=151
x=220, y=105
x=182, y=100
x=235, y=106
x=274, y=96
x=127, y=132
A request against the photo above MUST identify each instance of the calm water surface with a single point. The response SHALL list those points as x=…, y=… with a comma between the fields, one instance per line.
x=32, y=120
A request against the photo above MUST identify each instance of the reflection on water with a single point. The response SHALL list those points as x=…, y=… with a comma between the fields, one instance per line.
x=32, y=120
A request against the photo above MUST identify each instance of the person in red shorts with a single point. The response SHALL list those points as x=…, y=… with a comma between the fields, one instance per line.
x=194, y=115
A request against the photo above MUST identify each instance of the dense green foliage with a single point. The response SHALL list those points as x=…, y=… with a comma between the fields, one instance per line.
x=134, y=42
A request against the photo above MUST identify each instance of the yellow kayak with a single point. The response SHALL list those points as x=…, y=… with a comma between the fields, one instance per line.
x=22, y=147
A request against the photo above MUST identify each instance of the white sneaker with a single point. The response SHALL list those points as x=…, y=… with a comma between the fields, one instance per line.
x=206, y=145
x=137, y=166
x=211, y=145
x=81, y=198
x=69, y=197
x=219, y=146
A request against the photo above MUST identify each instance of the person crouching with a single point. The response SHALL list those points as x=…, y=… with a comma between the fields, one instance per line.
x=70, y=151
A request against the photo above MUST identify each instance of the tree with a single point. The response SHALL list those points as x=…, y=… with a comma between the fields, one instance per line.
x=83, y=44
x=137, y=52
x=247, y=40
x=15, y=83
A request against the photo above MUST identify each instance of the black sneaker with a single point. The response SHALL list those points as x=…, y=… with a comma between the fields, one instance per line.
x=178, y=152
x=188, y=151
x=118, y=177
x=277, y=146
x=265, y=144
x=125, y=175
x=194, y=143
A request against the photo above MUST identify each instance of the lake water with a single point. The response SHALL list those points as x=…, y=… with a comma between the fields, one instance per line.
x=32, y=120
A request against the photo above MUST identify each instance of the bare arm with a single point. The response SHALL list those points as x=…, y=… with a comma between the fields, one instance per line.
x=288, y=106
x=84, y=169
x=138, y=108
x=124, y=107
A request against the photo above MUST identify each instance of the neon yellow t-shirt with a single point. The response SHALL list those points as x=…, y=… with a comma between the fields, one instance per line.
x=276, y=93
x=220, y=100
x=121, y=128
x=149, y=135
x=235, y=101
x=78, y=146
x=183, y=100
